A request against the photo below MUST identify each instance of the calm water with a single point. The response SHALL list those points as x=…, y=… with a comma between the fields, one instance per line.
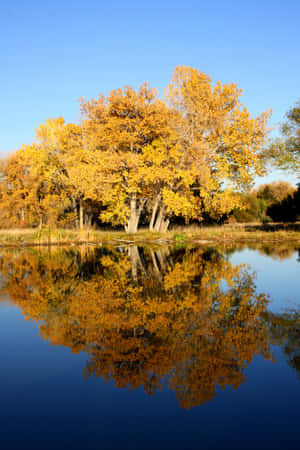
x=142, y=348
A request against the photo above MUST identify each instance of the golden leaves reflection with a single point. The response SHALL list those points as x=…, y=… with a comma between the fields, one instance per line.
x=145, y=316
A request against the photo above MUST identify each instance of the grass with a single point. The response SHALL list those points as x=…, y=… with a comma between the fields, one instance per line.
x=242, y=232
x=50, y=236
x=177, y=235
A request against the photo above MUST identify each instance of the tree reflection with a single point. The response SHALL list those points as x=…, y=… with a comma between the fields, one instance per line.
x=285, y=332
x=145, y=316
x=279, y=251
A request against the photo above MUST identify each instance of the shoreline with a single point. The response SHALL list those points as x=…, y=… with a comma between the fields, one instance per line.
x=252, y=233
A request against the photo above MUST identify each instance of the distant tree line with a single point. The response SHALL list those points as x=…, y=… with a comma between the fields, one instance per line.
x=278, y=201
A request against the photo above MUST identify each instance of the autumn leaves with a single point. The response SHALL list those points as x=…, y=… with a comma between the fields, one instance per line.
x=135, y=155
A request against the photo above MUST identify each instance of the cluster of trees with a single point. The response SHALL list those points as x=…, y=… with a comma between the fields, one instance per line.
x=136, y=156
x=278, y=202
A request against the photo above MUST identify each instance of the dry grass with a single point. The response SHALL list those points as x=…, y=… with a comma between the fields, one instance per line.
x=50, y=236
x=225, y=233
x=242, y=232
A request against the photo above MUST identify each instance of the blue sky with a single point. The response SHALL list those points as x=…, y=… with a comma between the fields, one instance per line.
x=52, y=52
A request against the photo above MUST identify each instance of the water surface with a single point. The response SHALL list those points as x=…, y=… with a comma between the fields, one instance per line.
x=137, y=347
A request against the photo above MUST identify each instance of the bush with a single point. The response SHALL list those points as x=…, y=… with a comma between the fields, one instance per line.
x=266, y=219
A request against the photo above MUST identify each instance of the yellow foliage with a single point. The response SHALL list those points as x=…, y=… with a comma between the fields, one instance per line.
x=134, y=153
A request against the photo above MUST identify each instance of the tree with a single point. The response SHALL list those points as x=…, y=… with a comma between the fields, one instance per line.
x=33, y=186
x=183, y=159
x=117, y=129
x=52, y=180
x=284, y=152
x=253, y=208
x=291, y=130
x=14, y=193
x=221, y=143
x=275, y=191
x=64, y=142
x=261, y=203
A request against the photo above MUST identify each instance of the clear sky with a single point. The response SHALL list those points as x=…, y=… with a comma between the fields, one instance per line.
x=52, y=52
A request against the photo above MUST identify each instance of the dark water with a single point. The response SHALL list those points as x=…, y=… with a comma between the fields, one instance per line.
x=144, y=348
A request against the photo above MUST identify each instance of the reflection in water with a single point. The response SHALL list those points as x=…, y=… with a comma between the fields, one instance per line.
x=285, y=332
x=276, y=250
x=145, y=316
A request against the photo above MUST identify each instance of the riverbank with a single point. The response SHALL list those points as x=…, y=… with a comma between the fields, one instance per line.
x=179, y=235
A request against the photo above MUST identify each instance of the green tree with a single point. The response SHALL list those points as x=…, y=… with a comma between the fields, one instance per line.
x=284, y=152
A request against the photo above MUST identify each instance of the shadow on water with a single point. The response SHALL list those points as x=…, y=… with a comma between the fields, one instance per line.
x=146, y=317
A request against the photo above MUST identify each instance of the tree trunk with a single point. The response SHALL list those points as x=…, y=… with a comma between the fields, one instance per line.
x=81, y=212
x=135, y=214
x=165, y=225
x=131, y=224
x=162, y=223
x=160, y=219
x=88, y=219
x=154, y=212
x=76, y=212
x=41, y=213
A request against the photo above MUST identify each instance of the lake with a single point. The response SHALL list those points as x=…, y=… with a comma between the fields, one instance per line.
x=181, y=347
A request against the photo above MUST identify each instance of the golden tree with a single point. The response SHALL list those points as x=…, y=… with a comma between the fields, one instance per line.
x=221, y=144
x=117, y=129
